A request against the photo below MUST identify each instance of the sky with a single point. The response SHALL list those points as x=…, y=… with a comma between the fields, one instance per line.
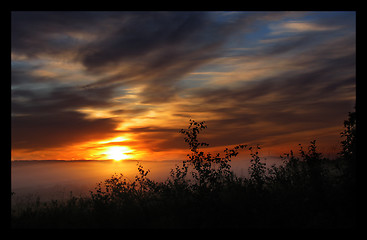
x=120, y=85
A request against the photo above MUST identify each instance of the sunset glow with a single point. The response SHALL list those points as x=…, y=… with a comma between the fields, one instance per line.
x=118, y=153
x=120, y=85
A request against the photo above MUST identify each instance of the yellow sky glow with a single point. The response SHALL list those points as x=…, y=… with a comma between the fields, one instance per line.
x=118, y=153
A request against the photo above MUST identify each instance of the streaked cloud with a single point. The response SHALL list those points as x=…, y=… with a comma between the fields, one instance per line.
x=81, y=77
x=297, y=27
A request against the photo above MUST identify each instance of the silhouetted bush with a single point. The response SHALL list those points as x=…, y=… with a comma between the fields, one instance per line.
x=210, y=171
x=349, y=145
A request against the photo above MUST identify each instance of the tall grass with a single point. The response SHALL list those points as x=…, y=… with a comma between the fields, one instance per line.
x=306, y=191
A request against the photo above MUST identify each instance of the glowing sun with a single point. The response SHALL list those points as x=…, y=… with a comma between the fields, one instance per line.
x=118, y=153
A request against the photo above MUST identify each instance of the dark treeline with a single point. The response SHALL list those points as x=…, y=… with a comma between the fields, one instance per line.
x=306, y=191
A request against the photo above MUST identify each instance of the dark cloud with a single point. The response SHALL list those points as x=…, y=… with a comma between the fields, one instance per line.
x=57, y=129
x=35, y=33
x=58, y=99
x=150, y=49
x=316, y=96
x=47, y=117
x=141, y=34
x=157, y=49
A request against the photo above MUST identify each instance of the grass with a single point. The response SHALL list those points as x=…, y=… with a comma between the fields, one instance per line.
x=306, y=191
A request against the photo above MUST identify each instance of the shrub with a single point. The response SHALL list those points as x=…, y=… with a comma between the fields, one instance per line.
x=210, y=171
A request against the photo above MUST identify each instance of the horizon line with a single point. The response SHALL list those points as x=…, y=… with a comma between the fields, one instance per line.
x=88, y=160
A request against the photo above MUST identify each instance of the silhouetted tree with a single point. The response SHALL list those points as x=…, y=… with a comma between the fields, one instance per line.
x=349, y=145
x=257, y=168
x=210, y=170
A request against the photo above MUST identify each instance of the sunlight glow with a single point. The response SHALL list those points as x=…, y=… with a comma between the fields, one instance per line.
x=116, y=139
x=118, y=153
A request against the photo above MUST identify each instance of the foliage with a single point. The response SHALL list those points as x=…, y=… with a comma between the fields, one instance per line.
x=211, y=171
x=349, y=145
x=257, y=169
x=306, y=191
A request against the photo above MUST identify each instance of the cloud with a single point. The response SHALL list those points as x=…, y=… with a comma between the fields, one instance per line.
x=315, y=23
x=313, y=89
x=76, y=76
x=297, y=27
x=153, y=50
x=46, y=115
x=141, y=34
x=59, y=99
x=59, y=129
x=156, y=50
x=54, y=33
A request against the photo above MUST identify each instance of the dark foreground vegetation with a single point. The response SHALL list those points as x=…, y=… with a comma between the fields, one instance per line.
x=306, y=191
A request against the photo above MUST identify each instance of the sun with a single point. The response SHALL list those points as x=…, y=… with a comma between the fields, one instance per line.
x=118, y=153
